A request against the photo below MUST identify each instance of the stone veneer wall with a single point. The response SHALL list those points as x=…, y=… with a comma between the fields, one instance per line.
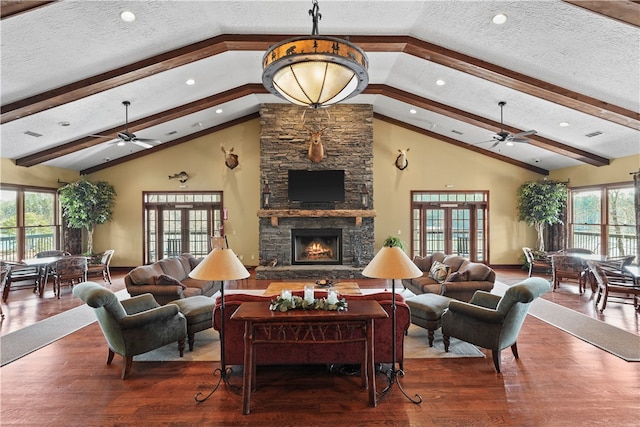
x=348, y=143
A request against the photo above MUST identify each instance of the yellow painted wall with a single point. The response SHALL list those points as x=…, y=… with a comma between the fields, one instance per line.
x=203, y=160
x=38, y=176
x=432, y=166
x=585, y=175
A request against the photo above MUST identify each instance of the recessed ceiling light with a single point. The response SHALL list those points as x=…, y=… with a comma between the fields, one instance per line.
x=563, y=124
x=190, y=82
x=412, y=111
x=127, y=16
x=499, y=19
x=120, y=143
x=219, y=110
x=64, y=124
x=440, y=82
x=509, y=143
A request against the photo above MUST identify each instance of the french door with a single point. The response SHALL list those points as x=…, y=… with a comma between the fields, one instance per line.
x=175, y=225
x=453, y=223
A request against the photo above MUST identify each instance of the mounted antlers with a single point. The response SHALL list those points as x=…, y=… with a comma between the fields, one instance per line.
x=230, y=159
x=401, y=160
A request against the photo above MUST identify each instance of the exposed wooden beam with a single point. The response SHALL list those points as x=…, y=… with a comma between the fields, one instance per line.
x=261, y=42
x=623, y=10
x=156, y=119
x=9, y=8
x=460, y=144
x=229, y=95
x=482, y=122
x=170, y=144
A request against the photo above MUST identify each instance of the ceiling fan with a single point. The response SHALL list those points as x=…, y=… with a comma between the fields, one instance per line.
x=504, y=136
x=126, y=136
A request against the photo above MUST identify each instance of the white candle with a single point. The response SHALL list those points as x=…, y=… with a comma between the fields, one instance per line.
x=332, y=297
x=308, y=294
x=286, y=294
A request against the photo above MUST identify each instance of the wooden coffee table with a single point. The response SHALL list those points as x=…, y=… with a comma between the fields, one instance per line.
x=343, y=288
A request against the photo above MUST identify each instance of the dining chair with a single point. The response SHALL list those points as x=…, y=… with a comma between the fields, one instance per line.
x=536, y=262
x=69, y=270
x=567, y=267
x=16, y=275
x=103, y=267
x=623, y=288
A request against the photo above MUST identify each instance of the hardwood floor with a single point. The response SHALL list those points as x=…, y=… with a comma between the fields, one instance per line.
x=559, y=380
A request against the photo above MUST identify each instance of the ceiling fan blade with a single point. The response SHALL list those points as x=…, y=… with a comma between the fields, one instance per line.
x=526, y=133
x=494, y=145
x=521, y=140
x=483, y=142
x=141, y=143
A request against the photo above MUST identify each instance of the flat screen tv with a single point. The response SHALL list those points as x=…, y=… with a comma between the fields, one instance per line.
x=316, y=186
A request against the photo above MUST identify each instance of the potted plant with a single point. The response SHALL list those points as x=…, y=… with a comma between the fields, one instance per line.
x=86, y=204
x=540, y=203
x=393, y=241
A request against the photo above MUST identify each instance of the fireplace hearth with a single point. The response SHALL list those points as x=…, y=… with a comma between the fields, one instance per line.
x=316, y=246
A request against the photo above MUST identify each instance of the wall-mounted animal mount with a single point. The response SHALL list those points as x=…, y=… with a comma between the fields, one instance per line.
x=401, y=160
x=180, y=176
x=230, y=159
x=316, y=150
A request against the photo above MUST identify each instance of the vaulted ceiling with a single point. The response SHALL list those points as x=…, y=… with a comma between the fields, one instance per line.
x=67, y=66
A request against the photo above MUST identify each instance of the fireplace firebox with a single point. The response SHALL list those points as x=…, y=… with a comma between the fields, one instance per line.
x=316, y=246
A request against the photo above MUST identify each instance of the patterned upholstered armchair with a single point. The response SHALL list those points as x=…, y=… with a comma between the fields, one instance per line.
x=490, y=321
x=133, y=326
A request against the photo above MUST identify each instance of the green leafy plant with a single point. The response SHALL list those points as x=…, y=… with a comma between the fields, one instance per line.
x=540, y=203
x=86, y=204
x=393, y=241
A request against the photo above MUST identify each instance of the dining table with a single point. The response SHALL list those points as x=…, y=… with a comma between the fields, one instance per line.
x=43, y=265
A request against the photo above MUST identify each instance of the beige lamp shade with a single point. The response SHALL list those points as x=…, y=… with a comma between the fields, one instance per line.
x=220, y=264
x=391, y=263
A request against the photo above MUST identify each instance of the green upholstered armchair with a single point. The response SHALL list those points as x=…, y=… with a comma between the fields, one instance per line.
x=490, y=321
x=133, y=326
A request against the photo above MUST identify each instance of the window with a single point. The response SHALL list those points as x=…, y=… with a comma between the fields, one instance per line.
x=450, y=222
x=180, y=222
x=602, y=219
x=29, y=222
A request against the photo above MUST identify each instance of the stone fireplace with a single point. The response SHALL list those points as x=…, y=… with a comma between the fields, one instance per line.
x=284, y=143
x=316, y=246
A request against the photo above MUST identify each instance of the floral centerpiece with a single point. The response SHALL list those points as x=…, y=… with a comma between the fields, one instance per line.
x=286, y=301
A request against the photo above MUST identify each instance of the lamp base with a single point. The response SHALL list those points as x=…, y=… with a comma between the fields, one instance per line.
x=393, y=377
x=225, y=374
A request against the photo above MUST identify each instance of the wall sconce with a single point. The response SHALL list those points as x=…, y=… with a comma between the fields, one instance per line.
x=266, y=196
x=364, y=197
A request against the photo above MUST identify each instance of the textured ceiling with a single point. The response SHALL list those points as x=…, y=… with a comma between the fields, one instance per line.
x=566, y=50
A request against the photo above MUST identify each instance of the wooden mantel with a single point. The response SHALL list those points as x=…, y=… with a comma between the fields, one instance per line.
x=274, y=214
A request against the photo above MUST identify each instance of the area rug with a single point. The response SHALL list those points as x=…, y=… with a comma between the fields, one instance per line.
x=18, y=344
x=207, y=348
x=609, y=338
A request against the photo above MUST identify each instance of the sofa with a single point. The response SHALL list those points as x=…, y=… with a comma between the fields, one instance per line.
x=168, y=280
x=459, y=278
x=290, y=354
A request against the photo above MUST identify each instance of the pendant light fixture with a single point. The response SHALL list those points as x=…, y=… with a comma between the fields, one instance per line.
x=315, y=71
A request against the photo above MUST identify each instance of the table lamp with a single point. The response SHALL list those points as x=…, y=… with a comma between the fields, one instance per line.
x=392, y=263
x=220, y=264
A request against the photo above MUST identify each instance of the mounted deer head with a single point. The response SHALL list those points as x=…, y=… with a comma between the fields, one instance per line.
x=230, y=159
x=401, y=160
x=316, y=150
